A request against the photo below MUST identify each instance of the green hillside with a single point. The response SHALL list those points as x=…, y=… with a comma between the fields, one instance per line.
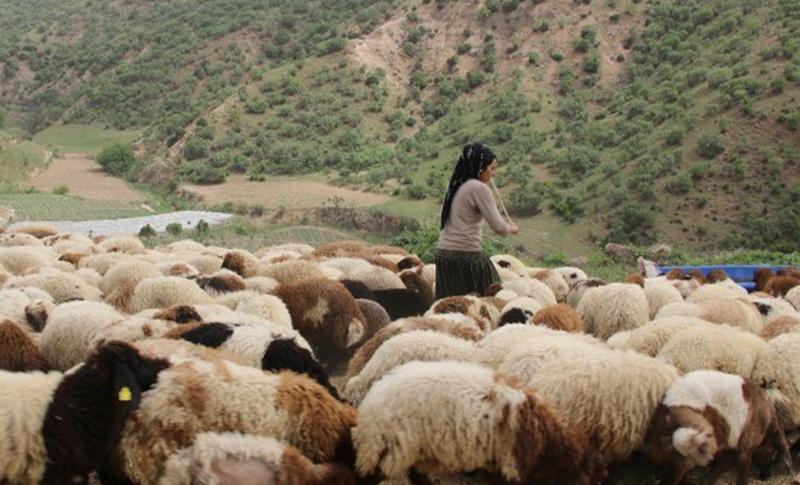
x=632, y=121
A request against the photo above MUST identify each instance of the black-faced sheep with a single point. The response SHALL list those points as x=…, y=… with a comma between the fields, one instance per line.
x=706, y=415
x=57, y=428
x=232, y=458
x=195, y=396
x=488, y=422
x=326, y=315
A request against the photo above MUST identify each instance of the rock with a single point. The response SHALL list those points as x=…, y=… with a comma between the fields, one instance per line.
x=660, y=251
x=618, y=250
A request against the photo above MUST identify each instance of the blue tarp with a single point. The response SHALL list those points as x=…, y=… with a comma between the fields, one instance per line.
x=740, y=273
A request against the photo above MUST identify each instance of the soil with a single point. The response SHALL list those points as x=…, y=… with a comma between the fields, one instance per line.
x=84, y=178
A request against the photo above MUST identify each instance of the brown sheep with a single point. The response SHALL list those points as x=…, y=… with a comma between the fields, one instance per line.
x=780, y=325
x=222, y=282
x=241, y=262
x=415, y=282
x=635, y=278
x=381, y=262
x=36, y=314
x=384, y=249
x=326, y=315
x=709, y=416
x=410, y=262
x=18, y=352
x=780, y=285
x=698, y=275
x=72, y=258
x=716, y=275
x=179, y=314
x=675, y=274
x=559, y=317
x=761, y=276
x=341, y=249
x=38, y=231
x=789, y=272
x=437, y=324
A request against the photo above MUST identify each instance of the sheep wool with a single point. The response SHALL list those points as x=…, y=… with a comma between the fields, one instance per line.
x=13, y=304
x=572, y=275
x=260, y=284
x=19, y=239
x=577, y=290
x=714, y=347
x=39, y=231
x=165, y=291
x=523, y=303
x=522, y=361
x=242, y=262
x=101, y=262
x=659, y=295
x=130, y=271
x=737, y=312
x=195, y=396
x=652, y=336
x=61, y=286
x=613, y=308
x=487, y=417
x=482, y=312
x=436, y=323
x=492, y=349
x=792, y=296
x=771, y=308
x=511, y=263
x=268, y=307
x=377, y=278
x=532, y=288
x=291, y=271
x=559, y=317
x=216, y=458
x=18, y=351
x=714, y=291
x=586, y=390
x=780, y=325
x=21, y=259
x=418, y=345
x=778, y=371
x=123, y=244
x=555, y=281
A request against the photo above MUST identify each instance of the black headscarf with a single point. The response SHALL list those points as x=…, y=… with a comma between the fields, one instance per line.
x=474, y=159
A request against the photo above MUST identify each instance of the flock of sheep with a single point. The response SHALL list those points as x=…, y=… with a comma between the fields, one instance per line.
x=192, y=364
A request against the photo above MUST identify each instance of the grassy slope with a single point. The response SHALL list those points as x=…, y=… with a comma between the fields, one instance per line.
x=90, y=139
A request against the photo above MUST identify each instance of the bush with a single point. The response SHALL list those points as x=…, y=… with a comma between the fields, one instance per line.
x=674, y=136
x=710, y=146
x=633, y=224
x=415, y=192
x=147, y=231
x=174, y=228
x=524, y=202
x=117, y=159
x=61, y=190
x=202, y=227
x=679, y=184
x=568, y=208
x=201, y=173
x=474, y=79
x=195, y=148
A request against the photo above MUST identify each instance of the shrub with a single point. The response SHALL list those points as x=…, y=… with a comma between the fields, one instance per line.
x=117, y=159
x=524, y=202
x=415, y=192
x=591, y=63
x=679, y=184
x=568, y=208
x=674, y=136
x=256, y=106
x=195, y=148
x=533, y=58
x=61, y=190
x=201, y=227
x=633, y=224
x=474, y=79
x=147, y=231
x=201, y=173
x=174, y=228
x=710, y=146
x=700, y=200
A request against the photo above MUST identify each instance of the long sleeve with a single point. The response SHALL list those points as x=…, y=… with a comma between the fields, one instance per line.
x=486, y=204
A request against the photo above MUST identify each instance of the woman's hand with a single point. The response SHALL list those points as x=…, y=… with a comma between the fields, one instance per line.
x=514, y=229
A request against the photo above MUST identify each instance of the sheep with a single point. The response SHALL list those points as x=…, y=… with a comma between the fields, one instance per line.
x=230, y=300
x=780, y=325
x=761, y=276
x=410, y=262
x=260, y=284
x=221, y=282
x=164, y=291
x=243, y=263
x=716, y=347
x=613, y=308
x=533, y=288
x=14, y=305
x=291, y=271
x=169, y=348
x=417, y=345
x=184, y=270
x=511, y=263
x=130, y=271
x=268, y=307
x=19, y=239
x=793, y=297
x=559, y=317
x=771, y=308
x=345, y=265
x=45, y=436
x=515, y=315
x=491, y=350
x=377, y=279
x=326, y=315
x=39, y=231
x=486, y=315
x=398, y=303
x=375, y=316
x=739, y=312
x=195, y=396
x=70, y=328
x=555, y=281
x=780, y=285
x=652, y=336
x=122, y=244
x=132, y=329
x=522, y=361
x=61, y=286
x=175, y=313
x=101, y=262
x=340, y=249
x=572, y=275
x=524, y=303
x=263, y=347
x=715, y=291
x=659, y=295
x=778, y=371
x=37, y=313
x=89, y=276
x=577, y=290
x=18, y=351
x=587, y=391
x=381, y=249
x=435, y=323
x=19, y=260
x=414, y=281
x=492, y=423
x=216, y=458
x=635, y=279
x=705, y=414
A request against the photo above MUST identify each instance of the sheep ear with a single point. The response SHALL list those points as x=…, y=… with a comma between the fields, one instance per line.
x=126, y=387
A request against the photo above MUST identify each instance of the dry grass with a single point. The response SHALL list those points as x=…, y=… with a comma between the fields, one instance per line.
x=84, y=178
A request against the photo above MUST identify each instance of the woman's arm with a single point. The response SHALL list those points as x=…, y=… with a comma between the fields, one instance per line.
x=488, y=207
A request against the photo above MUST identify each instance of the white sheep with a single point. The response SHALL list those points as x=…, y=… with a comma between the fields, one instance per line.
x=260, y=284
x=715, y=291
x=532, y=288
x=122, y=244
x=127, y=272
x=70, y=329
x=715, y=347
x=20, y=260
x=737, y=312
x=659, y=295
x=165, y=291
x=554, y=280
x=290, y=271
x=778, y=371
x=511, y=263
x=613, y=308
x=377, y=278
x=572, y=275
x=61, y=286
x=268, y=307
x=652, y=336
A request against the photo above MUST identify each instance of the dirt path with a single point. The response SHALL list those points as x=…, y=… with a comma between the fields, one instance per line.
x=291, y=194
x=83, y=177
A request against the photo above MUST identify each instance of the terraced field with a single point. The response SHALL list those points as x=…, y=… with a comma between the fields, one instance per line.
x=52, y=207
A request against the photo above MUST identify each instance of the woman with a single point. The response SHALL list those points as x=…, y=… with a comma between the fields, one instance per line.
x=461, y=266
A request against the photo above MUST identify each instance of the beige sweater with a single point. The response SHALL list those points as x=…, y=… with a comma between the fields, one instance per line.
x=472, y=204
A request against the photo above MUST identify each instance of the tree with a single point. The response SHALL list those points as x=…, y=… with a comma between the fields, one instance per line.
x=116, y=159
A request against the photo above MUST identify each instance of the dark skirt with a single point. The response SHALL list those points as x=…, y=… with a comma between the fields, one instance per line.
x=462, y=273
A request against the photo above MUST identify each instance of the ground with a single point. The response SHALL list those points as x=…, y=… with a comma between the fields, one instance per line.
x=83, y=177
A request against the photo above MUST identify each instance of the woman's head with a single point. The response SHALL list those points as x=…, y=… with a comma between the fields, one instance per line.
x=476, y=162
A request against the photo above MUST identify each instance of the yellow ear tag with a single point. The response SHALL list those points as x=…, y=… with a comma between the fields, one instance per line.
x=125, y=394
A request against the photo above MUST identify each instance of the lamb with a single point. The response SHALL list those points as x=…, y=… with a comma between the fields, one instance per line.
x=195, y=396
x=613, y=308
x=434, y=323
x=418, y=345
x=216, y=458
x=705, y=414
x=263, y=347
x=493, y=424
x=326, y=315
x=486, y=315
x=716, y=347
x=268, y=307
x=70, y=328
x=555, y=281
x=577, y=290
x=659, y=295
x=45, y=436
x=18, y=351
x=559, y=317
x=586, y=390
